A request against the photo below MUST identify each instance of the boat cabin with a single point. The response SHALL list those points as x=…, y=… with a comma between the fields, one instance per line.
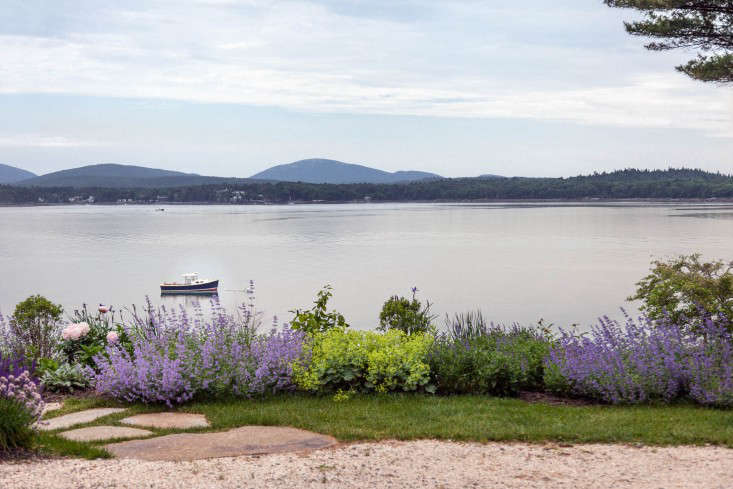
x=191, y=278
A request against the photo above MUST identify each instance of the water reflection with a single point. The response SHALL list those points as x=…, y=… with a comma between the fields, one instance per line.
x=565, y=262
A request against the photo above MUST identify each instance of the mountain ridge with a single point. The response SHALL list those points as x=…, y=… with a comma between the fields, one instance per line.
x=13, y=174
x=323, y=170
x=116, y=175
x=672, y=183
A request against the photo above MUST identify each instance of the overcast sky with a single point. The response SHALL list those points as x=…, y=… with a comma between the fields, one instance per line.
x=457, y=87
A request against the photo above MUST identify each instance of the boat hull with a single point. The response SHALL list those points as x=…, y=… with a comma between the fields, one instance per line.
x=203, y=288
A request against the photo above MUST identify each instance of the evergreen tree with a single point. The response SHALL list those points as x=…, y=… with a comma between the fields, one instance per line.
x=706, y=25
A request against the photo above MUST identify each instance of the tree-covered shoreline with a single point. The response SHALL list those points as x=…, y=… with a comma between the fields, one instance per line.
x=623, y=184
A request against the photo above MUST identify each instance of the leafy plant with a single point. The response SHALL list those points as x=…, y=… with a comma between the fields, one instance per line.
x=466, y=325
x=365, y=361
x=87, y=335
x=476, y=358
x=33, y=330
x=407, y=315
x=66, y=378
x=317, y=319
x=16, y=423
x=687, y=289
x=471, y=324
x=46, y=365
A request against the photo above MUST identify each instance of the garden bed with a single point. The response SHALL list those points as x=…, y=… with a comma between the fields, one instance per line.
x=647, y=381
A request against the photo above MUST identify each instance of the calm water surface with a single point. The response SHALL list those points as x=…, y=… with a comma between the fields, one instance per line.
x=565, y=263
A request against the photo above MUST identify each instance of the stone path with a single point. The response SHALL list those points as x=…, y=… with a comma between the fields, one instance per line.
x=179, y=421
x=81, y=417
x=98, y=433
x=248, y=440
x=52, y=406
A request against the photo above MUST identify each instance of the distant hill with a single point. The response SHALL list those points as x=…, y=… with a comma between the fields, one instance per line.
x=490, y=175
x=112, y=175
x=11, y=174
x=619, y=185
x=148, y=185
x=331, y=171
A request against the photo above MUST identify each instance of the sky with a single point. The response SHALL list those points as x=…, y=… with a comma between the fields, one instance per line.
x=455, y=87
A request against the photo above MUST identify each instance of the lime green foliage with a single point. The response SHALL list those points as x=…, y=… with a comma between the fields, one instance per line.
x=317, y=319
x=341, y=396
x=33, y=330
x=365, y=361
x=15, y=425
x=407, y=315
x=684, y=286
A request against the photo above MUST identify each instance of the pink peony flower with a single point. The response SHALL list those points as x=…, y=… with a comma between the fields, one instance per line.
x=69, y=332
x=75, y=331
x=83, y=329
x=103, y=309
x=112, y=337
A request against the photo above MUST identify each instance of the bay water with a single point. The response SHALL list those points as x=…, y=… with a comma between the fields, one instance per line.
x=517, y=262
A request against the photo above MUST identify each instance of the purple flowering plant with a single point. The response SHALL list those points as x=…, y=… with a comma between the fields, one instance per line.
x=16, y=365
x=21, y=408
x=172, y=356
x=645, y=360
x=23, y=389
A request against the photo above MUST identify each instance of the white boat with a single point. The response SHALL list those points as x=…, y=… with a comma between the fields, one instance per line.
x=191, y=284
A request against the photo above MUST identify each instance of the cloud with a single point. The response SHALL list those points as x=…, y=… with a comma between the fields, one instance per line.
x=444, y=59
x=44, y=141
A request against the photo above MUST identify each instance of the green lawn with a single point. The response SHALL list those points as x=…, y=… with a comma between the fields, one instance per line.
x=475, y=418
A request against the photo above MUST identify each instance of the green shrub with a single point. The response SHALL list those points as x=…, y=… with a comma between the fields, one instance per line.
x=317, y=319
x=555, y=381
x=496, y=362
x=33, y=329
x=365, y=361
x=686, y=289
x=82, y=348
x=406, y=315
x=65, y=377
x=16, y=425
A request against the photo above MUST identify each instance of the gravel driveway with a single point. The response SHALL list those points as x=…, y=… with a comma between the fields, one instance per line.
x=421, y=464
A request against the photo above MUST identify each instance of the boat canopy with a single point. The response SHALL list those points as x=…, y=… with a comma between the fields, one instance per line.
x=190, y=278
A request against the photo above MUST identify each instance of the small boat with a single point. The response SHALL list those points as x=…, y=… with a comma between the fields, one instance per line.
x=191, y=285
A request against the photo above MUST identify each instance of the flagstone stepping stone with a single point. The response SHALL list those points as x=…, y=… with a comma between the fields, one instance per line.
x=80, y=417
x=97, y=433
x=52, y=406
x=247, y=440
x=179, y=421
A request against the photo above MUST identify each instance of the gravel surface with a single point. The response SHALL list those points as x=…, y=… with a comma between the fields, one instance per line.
x=421, y=464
